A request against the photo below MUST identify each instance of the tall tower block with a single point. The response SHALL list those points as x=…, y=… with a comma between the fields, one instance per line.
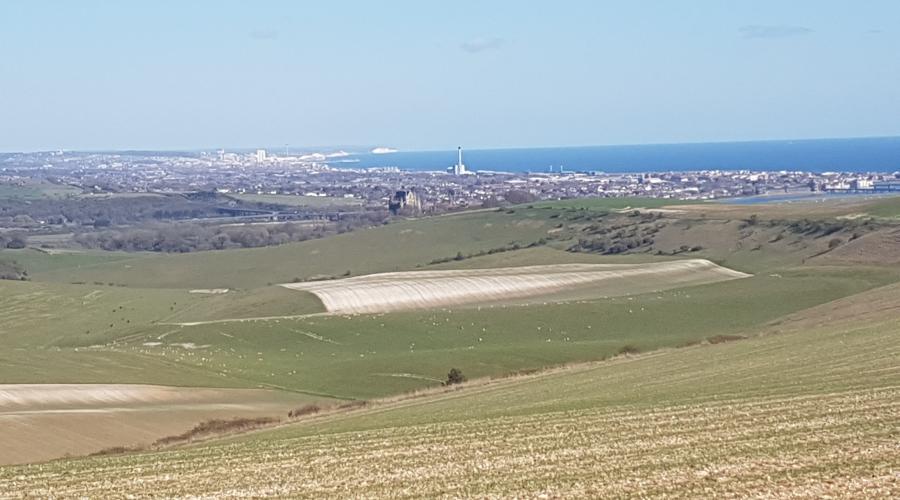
x=460, y=167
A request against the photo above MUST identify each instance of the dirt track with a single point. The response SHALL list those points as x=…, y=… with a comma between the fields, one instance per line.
x=44, y=421
x=427, y=289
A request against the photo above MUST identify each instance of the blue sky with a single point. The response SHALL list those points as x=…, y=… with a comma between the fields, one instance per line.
x=430, y=75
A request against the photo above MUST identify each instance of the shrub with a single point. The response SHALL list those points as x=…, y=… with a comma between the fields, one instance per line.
x=352, y=405
x=217, y=426
x=309, y=409
x=720, y=339
x=629, y=349
x=12, y=270
x=455, y=376
x=17, y=242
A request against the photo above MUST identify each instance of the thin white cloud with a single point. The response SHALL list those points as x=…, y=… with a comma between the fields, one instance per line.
x=481, y=44
x=260, y=34
x=773, y=31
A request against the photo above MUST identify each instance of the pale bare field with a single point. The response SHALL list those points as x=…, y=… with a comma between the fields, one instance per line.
x=386, y=292
x=44, y=421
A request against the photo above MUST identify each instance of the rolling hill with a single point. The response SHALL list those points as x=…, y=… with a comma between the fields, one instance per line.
x=220, y=319
x=791, y=412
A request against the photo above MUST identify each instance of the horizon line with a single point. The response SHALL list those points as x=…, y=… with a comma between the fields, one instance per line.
x=303, y=149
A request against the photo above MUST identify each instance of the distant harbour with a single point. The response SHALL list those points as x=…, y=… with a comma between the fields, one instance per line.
x=881, y=154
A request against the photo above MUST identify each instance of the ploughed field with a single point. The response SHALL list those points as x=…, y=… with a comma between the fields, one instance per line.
x=385, y=292
x=790, y=413
x=44, y=421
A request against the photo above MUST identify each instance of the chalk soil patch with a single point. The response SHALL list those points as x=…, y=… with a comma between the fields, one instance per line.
x=398, y=291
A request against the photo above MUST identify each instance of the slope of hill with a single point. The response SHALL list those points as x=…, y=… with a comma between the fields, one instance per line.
x=399, y=246
x=102, y=318
x=810, y=413
x=86, y=334
x=749, y=239
x=387, y=292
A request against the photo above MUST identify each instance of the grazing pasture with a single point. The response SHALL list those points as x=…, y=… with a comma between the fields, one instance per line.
x=376, y=355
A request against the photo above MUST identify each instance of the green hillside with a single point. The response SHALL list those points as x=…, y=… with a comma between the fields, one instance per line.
x=807, y=412
x=167, y=319
x=138, y=310
x=750, y=239
x=399, y=246
x=368, y=356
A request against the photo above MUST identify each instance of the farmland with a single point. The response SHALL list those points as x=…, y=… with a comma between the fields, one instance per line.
x=110, y=415
x=395, y=247
x=387, y=292
x=101, y=334
x=299, y=200
x=37, y=190
x=721, y=232
x=795, y=412
x=591, y=283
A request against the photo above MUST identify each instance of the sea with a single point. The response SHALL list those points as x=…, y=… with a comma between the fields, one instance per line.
x=880, y=154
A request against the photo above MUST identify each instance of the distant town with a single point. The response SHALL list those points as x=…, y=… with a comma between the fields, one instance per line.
x=310, y=176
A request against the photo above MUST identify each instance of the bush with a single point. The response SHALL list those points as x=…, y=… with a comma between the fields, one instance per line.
x=12, y=270
x=217, y=426
x=455, y=376
x=17, y=242
x=834, y=243
x=310, y=409
x=629, y=349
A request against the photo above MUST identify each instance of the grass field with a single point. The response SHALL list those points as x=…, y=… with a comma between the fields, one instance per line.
x=399, y=246
x=435, y=242
x=37, y=190
x=84, y=334
x=806, y=413
x=44, y=261
x=99, y=318
x=298, y=201
x=888, y=207
x=605, y=204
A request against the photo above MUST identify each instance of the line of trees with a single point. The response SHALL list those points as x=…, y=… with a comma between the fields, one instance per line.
x=188, y=237
x=101, y=212
x=192, y=237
